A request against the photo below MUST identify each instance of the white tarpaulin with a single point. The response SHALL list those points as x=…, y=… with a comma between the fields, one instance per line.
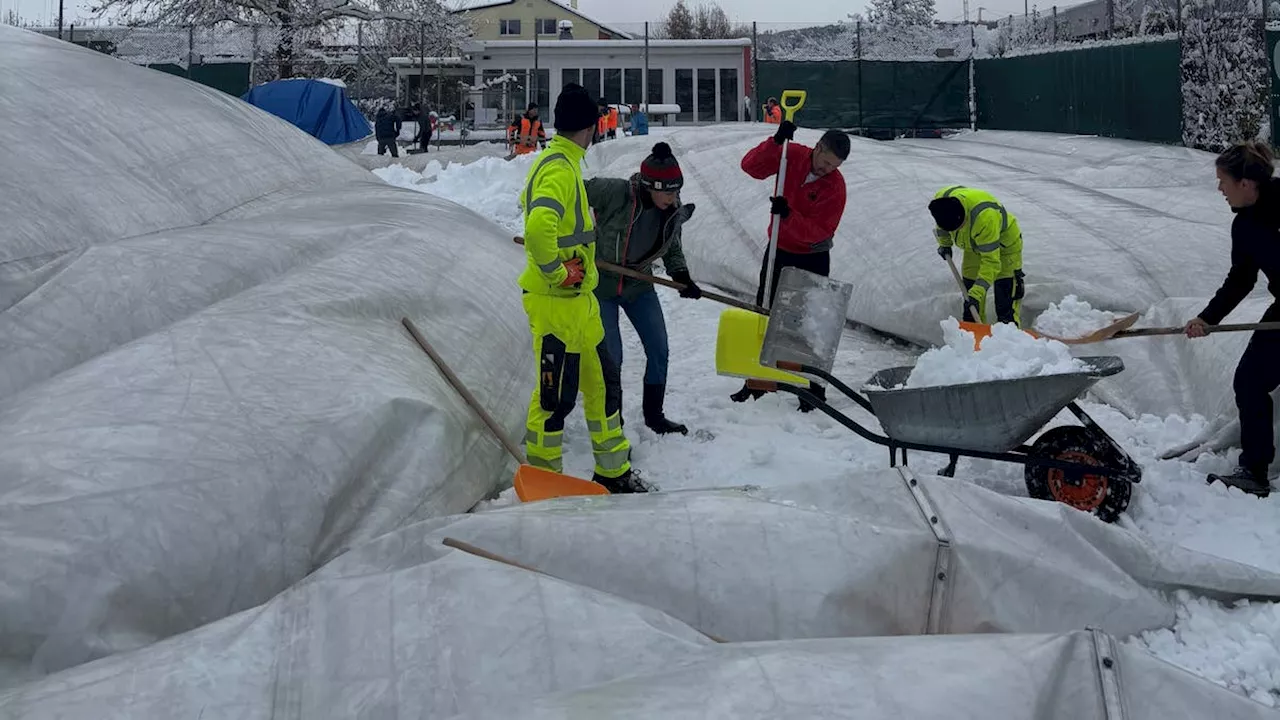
x=205, y=389
x=1121, y=224
x=410, y=629
x=1075, y=676
x=428, y=634
x=861, y=557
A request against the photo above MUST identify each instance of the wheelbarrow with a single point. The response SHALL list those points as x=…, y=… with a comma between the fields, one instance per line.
x=1077, y=465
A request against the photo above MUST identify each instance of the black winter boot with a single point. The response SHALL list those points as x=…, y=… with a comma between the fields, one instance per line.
x=1251, y=481
x=624, y=485
x=819, y=391
x=654, y=418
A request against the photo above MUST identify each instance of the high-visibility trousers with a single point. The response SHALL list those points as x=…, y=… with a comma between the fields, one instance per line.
x=568, y=342
x=1007, y=292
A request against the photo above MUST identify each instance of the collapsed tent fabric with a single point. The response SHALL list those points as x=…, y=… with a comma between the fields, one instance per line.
x=1123, y=225
x=1073, y=676
x=206, y=389
x=320, y=108
x=884, y=553
x=426, y=635
x=418, y=630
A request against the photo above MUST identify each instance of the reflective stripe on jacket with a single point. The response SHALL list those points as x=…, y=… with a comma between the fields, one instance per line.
x=558, y=225
x=990, y=232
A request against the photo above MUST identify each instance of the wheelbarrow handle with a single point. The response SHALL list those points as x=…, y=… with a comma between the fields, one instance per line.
x=832, y=380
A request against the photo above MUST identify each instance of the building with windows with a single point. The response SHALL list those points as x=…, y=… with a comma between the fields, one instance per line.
x=708, y=79
x=522, y=19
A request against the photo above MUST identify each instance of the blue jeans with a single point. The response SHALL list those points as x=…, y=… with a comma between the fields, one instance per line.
x=645, y=314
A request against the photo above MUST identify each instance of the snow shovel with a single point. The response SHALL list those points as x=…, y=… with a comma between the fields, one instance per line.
x=531, y=483
x=741, y=335
x=655, y=280
x=803, y=328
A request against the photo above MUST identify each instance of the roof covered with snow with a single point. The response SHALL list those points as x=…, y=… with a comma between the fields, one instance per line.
x=473, y=5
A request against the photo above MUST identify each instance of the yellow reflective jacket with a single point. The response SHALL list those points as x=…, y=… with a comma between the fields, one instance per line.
x=990, y=238
x=558, y=225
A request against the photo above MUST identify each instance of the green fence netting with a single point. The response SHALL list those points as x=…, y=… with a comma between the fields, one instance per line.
x=876, y=95
x=232, y=78
x=1124, y=91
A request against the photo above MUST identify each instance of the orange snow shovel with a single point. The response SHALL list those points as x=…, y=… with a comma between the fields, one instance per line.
x=531, y=483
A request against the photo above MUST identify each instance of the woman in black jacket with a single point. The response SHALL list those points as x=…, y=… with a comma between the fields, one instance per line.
x=1245, y=180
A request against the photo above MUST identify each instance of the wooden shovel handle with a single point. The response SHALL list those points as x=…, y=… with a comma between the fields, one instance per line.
x=1212, y=329
x=655, y=280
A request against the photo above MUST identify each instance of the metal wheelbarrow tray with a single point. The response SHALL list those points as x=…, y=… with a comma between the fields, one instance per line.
x=1079, y=465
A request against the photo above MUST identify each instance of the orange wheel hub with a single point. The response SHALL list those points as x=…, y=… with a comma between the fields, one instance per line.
x=1088, y=495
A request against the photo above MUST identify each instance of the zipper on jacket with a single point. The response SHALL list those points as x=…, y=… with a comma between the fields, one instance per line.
x=635, y=200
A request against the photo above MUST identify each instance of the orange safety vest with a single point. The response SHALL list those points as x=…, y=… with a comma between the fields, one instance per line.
x=527, y=136
x=774, y=116
x=602, y=125
x=613, y=118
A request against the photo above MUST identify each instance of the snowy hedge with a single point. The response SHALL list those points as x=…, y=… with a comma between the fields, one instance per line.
x=1225, y=73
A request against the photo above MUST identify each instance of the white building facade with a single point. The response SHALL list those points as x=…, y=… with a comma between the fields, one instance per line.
x=708, y=79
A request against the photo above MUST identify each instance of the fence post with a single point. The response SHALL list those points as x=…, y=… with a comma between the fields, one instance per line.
x=422, y=66
x=644, y=81
x=537, y=79
x=191, y=48
x=973, y=91
x=253, y=57
x=755, y=74
x=1054, y=39
x=1111, y=18
x=861, y=116
x=360, y=58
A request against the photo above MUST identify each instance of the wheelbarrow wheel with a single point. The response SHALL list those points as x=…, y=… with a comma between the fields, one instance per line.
x=1104, y=496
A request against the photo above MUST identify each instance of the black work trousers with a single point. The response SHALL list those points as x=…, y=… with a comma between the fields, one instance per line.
x=818, y=263
x=1257, y=375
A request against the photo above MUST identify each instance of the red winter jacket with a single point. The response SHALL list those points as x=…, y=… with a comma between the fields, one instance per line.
x=816, y=207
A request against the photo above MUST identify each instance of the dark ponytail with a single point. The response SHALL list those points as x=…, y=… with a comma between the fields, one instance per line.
x=1248, y=161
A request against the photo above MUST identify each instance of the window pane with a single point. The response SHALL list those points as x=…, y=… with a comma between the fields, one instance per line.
x=684, y=95
x=545, y=26
x=613, y=86
x=591, y=81
x=730, y=98
x=706, y=95
x=544, y=88
x=655, y=87
x=632, y=85
x=570, y=75
x=509, y=27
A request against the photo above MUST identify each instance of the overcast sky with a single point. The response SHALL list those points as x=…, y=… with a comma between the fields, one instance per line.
x=801, y=12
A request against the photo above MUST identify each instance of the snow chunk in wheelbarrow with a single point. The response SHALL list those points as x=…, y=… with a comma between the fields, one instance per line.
x=995, y=416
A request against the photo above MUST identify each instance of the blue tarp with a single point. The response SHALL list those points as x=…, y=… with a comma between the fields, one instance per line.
x=320, y=108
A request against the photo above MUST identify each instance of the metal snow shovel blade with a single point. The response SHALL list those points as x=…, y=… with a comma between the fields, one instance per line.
x=531, y=483
x=803, y=327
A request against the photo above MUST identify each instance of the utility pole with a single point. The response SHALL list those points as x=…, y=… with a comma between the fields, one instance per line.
x=422, y=65
x=537, y=79
x=61, y=5
x=644, y=101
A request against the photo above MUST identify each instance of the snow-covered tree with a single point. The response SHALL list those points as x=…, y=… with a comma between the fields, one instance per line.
x=292, y=25
x=1224, y=73
x=711, y=22
x=901, y=13
x=680, y=23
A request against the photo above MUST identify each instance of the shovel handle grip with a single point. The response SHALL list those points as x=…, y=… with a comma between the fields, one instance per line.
x=792, y=101
x=1212, y=329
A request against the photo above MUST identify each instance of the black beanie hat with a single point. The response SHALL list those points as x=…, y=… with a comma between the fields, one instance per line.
x=575, y=110
x=948, y=213
x=660, y=171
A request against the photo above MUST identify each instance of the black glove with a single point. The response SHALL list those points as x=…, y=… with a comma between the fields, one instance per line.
x=691, y=289
x=786, y=131
x=971, y=309
x=944, y=252
x=778, y=206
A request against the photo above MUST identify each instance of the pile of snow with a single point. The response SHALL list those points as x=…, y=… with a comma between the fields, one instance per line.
x=205, y=389
x=1008, y=354
x=490, y=185
x=1233, y=646
x=1072, y=317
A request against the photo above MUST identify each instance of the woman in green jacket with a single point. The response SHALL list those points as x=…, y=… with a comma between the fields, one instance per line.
x=639, y=221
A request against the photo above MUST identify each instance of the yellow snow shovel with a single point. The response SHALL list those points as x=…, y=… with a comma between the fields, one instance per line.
x=740, y=334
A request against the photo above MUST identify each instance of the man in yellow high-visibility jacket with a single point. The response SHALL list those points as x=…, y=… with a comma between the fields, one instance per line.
x=974, y=221
x=564, y=315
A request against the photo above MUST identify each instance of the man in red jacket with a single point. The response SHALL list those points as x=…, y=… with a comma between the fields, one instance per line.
x=808, y=212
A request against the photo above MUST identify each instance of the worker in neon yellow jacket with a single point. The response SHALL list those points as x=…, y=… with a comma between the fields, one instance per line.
x=974, y=221
x=564, y=314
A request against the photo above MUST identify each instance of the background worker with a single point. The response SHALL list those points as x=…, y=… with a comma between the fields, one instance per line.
x=526, y=132
x=564, y=315
x=1245, y=180
x=772, y=112
x=637, y=222
x=612, y=122
x=639, y=121
x=974, y=221
x=807, y=213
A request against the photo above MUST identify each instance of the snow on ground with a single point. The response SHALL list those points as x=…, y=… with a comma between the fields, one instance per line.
x=1008, y=354
x=1072, y=318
